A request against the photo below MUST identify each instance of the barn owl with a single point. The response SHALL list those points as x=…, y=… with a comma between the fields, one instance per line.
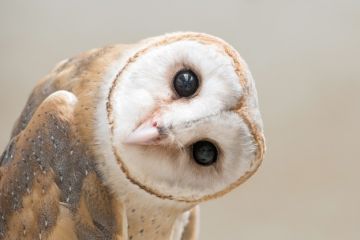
x=125, y=141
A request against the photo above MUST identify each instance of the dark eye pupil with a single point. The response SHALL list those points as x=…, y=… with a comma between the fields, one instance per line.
x=186, y=83
x=204, y=153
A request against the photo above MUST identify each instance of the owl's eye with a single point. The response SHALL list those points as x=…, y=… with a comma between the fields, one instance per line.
x=204, y=153
x=186, y=83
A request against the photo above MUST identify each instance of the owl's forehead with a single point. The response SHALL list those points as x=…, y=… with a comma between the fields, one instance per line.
x=203, y=57
x=188, y=52
x=154, y=66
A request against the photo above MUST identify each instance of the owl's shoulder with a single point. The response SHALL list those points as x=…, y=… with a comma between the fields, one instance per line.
x=79, y=75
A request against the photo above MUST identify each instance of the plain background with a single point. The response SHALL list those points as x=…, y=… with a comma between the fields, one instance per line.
x=305, y=58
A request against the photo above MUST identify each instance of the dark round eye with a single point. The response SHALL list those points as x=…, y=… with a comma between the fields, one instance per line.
x=186, y=83
x=204, y=153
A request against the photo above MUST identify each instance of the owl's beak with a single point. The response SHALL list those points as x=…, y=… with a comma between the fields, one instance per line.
x=148, y=133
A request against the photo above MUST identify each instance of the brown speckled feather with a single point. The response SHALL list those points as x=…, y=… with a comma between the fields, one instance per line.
x=49, y=184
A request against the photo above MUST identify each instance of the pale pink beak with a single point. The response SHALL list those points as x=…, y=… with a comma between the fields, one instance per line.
x=146, y=134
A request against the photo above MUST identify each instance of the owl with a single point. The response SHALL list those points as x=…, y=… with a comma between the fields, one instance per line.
x=125, y=141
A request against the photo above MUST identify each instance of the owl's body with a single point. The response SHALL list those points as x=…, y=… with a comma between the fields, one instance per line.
x=80, y=164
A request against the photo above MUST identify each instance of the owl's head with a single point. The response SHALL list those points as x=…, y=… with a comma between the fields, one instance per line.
x=183, y=118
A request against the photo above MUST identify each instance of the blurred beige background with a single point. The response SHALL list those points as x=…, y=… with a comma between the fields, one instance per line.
x=305, y=57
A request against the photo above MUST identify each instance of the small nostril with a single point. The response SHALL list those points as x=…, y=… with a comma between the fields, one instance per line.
x=155, y=124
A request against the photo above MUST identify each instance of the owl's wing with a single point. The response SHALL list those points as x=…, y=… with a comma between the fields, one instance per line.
x=191, y=229
x=49, y=186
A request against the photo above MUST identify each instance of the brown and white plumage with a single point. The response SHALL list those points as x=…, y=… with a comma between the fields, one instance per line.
x=71, y=172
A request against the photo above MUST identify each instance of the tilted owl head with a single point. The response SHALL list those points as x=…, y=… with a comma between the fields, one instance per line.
x=182, y=117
